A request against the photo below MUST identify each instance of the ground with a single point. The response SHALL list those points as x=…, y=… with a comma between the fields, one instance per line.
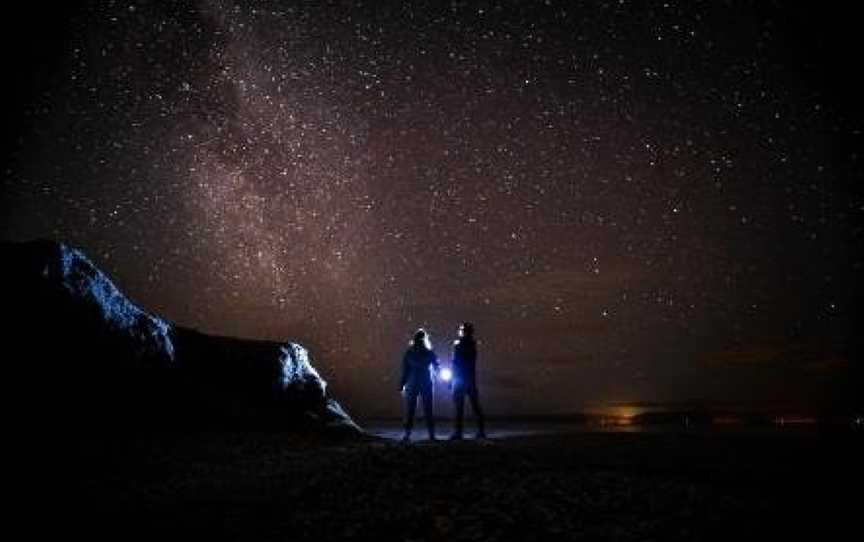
x=234, y=485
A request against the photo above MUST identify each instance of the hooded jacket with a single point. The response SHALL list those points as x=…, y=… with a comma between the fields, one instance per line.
x=417, y=364
x=464, y=363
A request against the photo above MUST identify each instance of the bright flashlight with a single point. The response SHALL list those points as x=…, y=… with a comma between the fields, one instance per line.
x=446, y=374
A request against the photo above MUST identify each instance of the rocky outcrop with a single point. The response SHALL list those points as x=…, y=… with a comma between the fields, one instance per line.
x=256, y=380
x=95, y=353
x=68, y=308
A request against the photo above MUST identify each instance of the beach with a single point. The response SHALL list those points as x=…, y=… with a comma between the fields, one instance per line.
x=538, y=485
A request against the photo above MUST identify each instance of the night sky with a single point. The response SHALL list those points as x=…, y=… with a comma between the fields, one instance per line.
x=631, y=202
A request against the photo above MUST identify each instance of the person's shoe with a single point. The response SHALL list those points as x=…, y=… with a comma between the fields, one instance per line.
x=406, y=438
x=456, y=436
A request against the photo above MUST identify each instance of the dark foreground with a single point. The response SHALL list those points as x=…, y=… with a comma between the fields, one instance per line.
x=584, y=486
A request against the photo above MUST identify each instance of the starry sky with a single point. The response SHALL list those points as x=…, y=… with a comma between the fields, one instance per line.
x=632, y=201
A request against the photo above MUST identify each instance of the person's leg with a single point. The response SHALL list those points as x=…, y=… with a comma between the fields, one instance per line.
x=474, y=396
x=410, y=406
x=459, y=404
x=426, y=394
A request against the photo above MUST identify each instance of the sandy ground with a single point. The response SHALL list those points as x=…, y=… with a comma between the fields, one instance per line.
x=529, y=485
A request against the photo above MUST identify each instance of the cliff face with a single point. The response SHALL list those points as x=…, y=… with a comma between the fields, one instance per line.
x=68, y=308
x=259, y=381
x=98, y=355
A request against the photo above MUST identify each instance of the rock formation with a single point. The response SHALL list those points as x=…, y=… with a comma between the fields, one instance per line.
x=95, y=356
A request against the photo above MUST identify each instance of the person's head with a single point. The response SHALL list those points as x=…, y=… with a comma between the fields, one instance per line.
x=421, y=339
x=466, y=329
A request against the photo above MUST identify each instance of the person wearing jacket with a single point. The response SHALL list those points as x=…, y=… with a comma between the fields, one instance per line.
x=465, y=380
x=419, y=366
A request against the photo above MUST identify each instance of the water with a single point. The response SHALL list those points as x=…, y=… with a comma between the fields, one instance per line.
x=504, y=429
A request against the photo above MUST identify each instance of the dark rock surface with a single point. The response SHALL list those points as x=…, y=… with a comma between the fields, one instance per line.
x=88, y=354
x=259, y=382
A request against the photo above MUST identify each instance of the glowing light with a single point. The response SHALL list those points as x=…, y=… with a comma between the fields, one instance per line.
x=446, y=375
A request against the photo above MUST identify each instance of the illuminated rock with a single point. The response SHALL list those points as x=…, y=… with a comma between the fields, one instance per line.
x=266, y=381
x=70, y=310
x=97, y=356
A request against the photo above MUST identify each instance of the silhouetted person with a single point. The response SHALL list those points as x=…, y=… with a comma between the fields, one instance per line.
x=418, y=365
x=465, y=380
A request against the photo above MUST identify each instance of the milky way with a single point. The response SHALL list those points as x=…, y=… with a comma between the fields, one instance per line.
x=631, y=203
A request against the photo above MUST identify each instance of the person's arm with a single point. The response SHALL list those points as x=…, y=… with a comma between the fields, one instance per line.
x=471, y=356
x=404, y=379
x=471, y=353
